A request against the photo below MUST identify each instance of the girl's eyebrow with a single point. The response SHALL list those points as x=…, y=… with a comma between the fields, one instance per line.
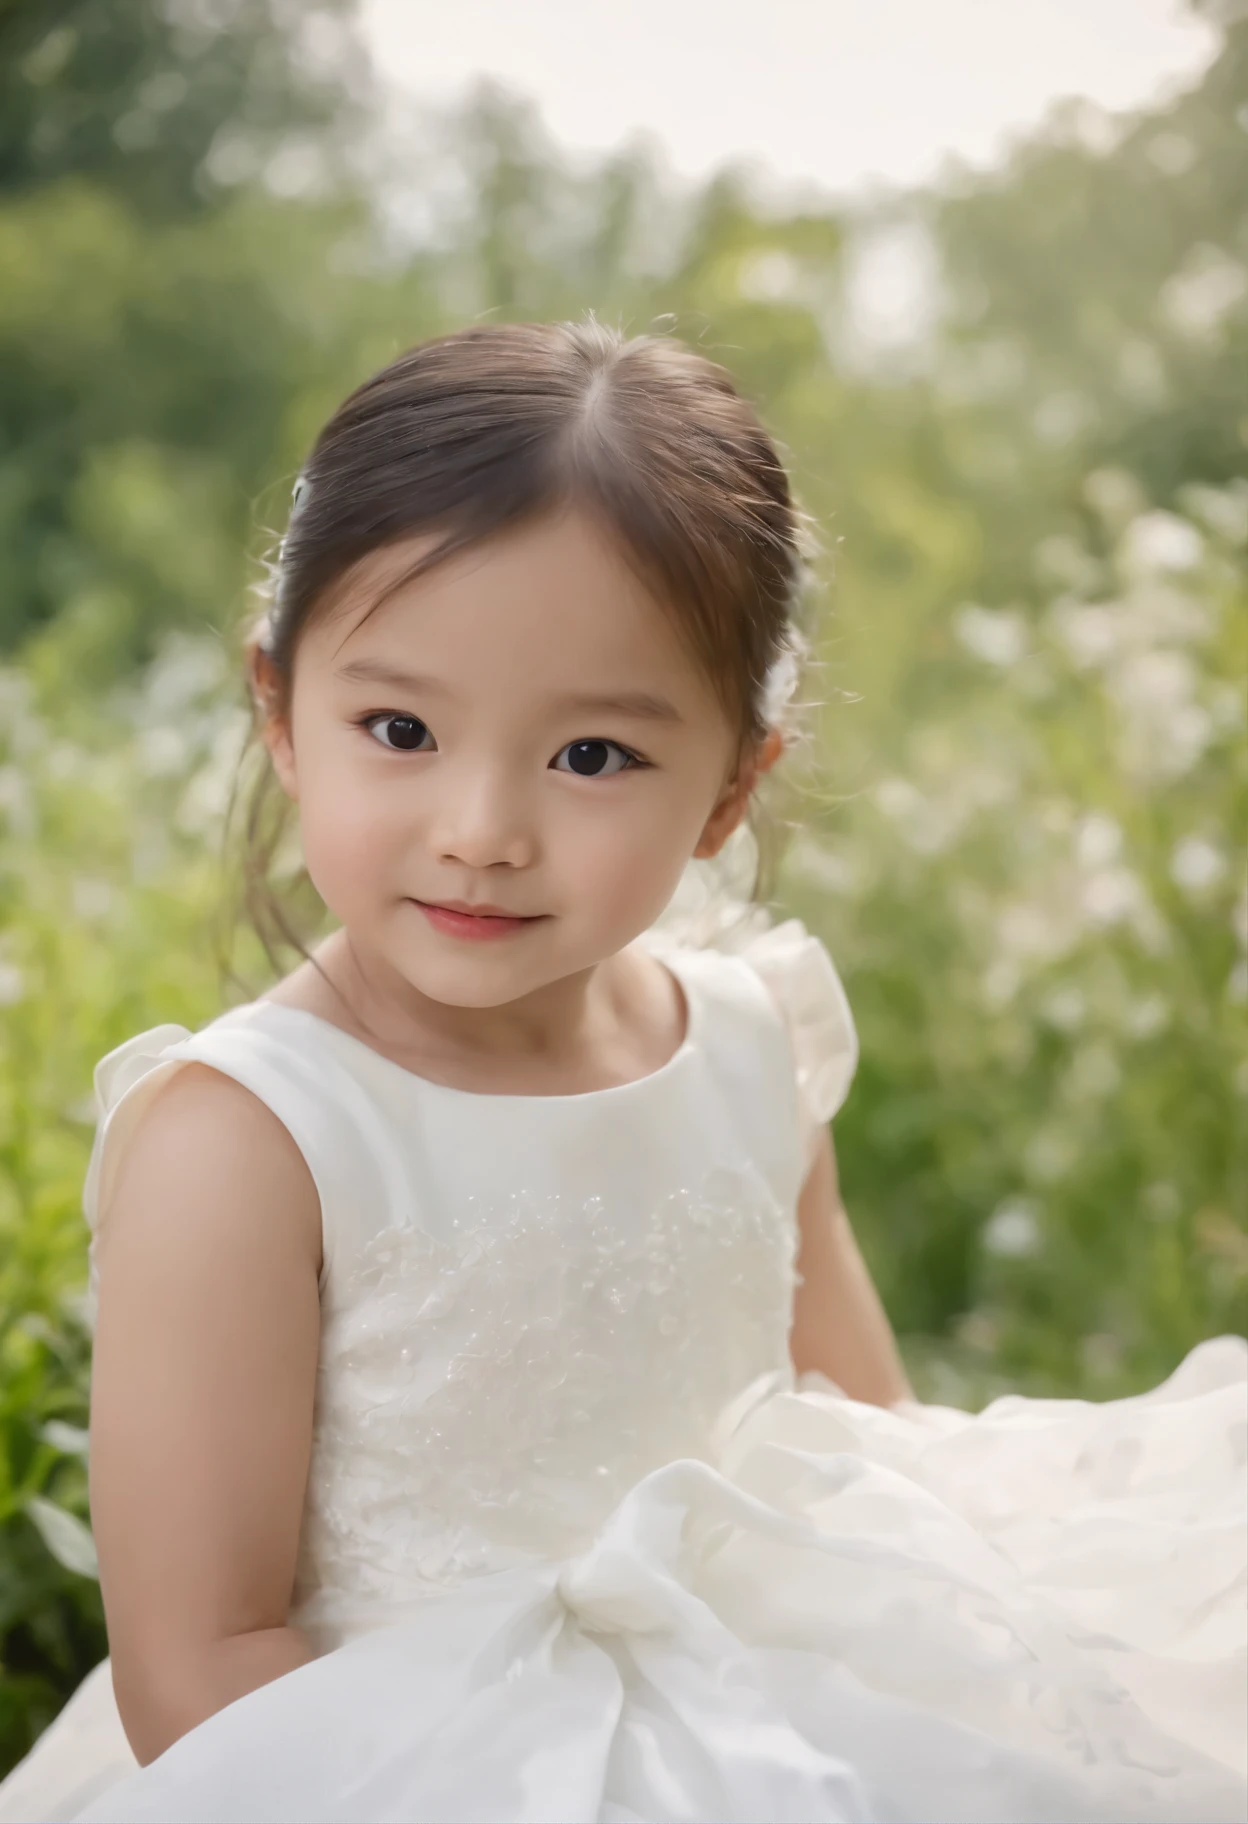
x=376, y=671
x=642, y=705
x=639, y=704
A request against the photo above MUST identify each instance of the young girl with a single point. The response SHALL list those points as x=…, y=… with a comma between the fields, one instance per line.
x=492, y=1416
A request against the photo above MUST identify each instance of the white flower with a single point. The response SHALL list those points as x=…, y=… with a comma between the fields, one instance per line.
x=1160, y=541
x=1098, y=840
x=1013, y=1230
x=997, y=636
x=1204, y=291
x=186, y=670
x=64, y=760
x=1165, y=729
x=1025, y=930
x=1090, y=634
x=1156, y=613
x=1154, y=684
x=1172, y=153
x=1196, y=865
x=207, y=795
x=1111, y=895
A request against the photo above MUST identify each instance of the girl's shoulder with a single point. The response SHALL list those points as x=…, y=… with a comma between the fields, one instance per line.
x=271, y=1058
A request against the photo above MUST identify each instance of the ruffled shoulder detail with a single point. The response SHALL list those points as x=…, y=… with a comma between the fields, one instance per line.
x=803, y=982
x=800, y=978
x=121, y=1069
x=152, y=1054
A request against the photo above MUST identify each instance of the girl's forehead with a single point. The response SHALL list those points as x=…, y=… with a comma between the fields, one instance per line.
x=555, y=596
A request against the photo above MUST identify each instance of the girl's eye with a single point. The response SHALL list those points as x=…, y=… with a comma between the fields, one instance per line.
x=594, y=759
x=407, y=734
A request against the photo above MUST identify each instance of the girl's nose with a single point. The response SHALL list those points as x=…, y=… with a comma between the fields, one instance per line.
x=481, y=821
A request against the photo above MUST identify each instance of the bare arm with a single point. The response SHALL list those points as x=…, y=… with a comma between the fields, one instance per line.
x=839, y=1324
x=201, y=1404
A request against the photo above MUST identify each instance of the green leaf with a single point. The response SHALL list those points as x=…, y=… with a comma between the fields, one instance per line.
x=72, y=1439
x=66, y=1536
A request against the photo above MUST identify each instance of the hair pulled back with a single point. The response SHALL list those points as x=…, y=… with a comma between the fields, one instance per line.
x=472, y=434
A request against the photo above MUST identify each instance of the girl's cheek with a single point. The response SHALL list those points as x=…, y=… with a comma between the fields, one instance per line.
x=629, y=868
x=347, y=835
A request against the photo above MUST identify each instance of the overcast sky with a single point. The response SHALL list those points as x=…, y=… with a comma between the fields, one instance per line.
x=841, y=92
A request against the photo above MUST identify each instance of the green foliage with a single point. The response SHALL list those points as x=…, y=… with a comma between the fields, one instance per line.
x=106, y=903
x=1026, y=785
x=160, y=298
x=1045, y=937
x=167, y=105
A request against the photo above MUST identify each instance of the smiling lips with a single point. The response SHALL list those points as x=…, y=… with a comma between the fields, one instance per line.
x=457, y=919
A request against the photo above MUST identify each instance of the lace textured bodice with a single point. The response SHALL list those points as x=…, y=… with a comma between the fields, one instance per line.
x=527, y=1302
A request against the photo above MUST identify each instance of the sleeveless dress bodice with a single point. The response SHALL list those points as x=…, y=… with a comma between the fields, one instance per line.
x=578, y=1545
x=527, y=1302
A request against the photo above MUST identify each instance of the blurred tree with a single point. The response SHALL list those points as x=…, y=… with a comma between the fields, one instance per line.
x=169, y=106
x=163, y=171
x=1098, y=284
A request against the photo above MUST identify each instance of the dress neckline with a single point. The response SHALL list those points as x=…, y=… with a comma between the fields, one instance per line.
x=660, y=1077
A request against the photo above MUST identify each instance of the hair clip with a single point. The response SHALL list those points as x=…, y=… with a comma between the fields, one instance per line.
x=781, y=682
x=262, y=633
x=298, y=492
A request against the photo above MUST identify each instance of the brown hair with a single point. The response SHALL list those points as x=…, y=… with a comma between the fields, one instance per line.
x=477, y=432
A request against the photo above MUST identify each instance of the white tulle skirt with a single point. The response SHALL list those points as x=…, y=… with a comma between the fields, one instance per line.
x=1036, y=1613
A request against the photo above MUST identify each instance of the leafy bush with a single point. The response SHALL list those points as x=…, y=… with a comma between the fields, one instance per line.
x=1043, y=923
x=106, y=895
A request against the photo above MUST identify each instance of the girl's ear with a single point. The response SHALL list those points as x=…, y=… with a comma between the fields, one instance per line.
x=268, y=696
x=735, y=800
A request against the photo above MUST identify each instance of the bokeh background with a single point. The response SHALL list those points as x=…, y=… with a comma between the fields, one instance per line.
x=1014, y=391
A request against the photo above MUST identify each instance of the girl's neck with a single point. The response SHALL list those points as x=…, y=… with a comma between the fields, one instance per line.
x=603, y=1027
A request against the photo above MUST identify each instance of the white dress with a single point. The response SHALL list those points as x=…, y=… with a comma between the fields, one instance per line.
x=575, y=1546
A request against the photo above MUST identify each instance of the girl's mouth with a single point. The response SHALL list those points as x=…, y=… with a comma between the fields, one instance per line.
x=475, y=924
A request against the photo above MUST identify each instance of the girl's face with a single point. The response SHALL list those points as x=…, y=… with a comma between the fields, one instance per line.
x=520, y=730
